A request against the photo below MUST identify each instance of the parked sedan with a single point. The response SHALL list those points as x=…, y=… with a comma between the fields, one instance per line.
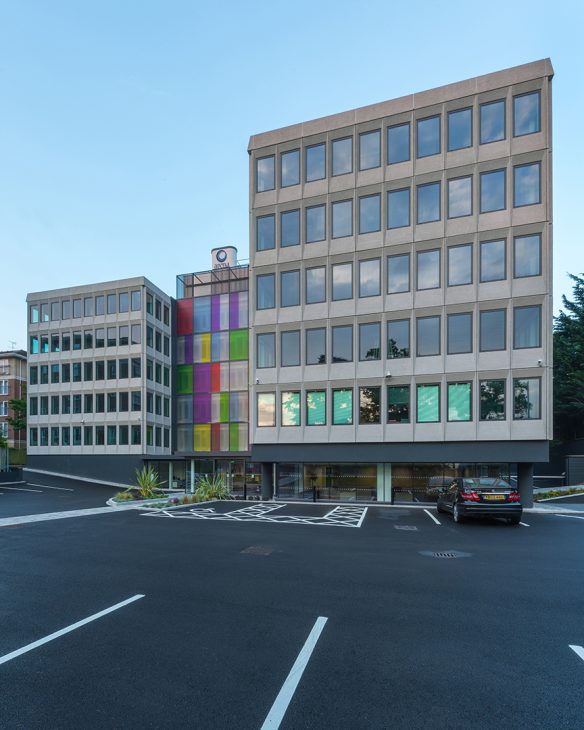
x=480, y=497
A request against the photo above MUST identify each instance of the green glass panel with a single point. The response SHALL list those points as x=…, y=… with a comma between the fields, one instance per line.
x=290, y=409
x=224, y=407
x=428, y=403
x=342, y=407
x=459, y=402
x=234, y=437
x=398, y=395
x=184, y=379
x=316, y=408
x=238, y=345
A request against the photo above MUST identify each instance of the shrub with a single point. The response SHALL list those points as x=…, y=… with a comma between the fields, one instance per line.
x=211, y=487
x=148, y=483
x=125, y=496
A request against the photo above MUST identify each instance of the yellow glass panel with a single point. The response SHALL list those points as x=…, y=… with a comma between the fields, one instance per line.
x=206, y=347
x=203, y=437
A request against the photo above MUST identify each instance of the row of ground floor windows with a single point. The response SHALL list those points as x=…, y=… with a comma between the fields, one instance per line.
x=112, y=435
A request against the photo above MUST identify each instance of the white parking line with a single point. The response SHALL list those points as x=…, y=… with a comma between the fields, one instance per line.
x=524, y=524
x=574, y=517
x=68, y=629
x=276, y=714
x=432, y=516
x=22, y=489
x=44, y=486
x=578, y=649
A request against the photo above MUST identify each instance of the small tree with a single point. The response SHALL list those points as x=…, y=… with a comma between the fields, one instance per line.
x=3, y=442
x=18, y=418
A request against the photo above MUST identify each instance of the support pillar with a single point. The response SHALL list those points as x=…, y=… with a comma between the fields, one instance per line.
x=267, y=480
x=192, y=479
x=525, y=483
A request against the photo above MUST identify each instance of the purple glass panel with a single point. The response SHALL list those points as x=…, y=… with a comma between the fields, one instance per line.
x=215, y=313
x=202, y=409
x=188, y=353
x=234, y=311
x=202, y=378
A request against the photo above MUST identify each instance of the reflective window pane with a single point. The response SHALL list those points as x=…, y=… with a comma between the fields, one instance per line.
x=398, y=273
x=492, y=121
x=369, y=213
x=492, y=191
x=526, y=327
x=315, y=162
x=398, y=338
x=369, y=150
x=316, y=285
x=290, y=348
x=526, y=399
x=315, y=223
x=460, y=197
x=266, y=409
x=398, y=404
x=398, y=208
x=428, y=336
x=492, y=329
x=526, y=114
x=266, y=354
x=265, y=232
x=428, y=269
x=527, y=256
x=342, y=152
x=290, y=408
x=370, y=404
x=342, y=214
x=428, y=404
x=266, y=294
x=398, y=143
x=342, y=343
x=290, y=228
x=343, y=407
x=493, y=261
x=428, y=201
x=370, y=341
x=316, y=408
x=289, y=288
x=460, y=265
x=342, y=281
x=290, y=168
x=459, y=129
x=526, y=185
x=428, y=136
x=459, y=401
x=370, y=278
x=492, y=400
x=316, y=346
x=265, y=174
x=459, y=333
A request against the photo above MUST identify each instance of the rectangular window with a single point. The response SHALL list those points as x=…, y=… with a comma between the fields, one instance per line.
x=290, y=403
x=398, y=273
x=460, y=264
x=111, y=369
x=124, y=332
x=343, y=407
x=76, y=308
x=99, y=435
x=398, y=338
x=66, y=404
x=342, y=154
x=289, y=228
x=266, y=350
x=44, y=374
x=55, y=343
x=398, y=208
x=428, y=136
x=369, y=404
x=526, y=327
x=527, y=256
x=342, y=217
x=77, y=404
x=76, y=367
x=100, y=305
x=265, y=173
x=492, y=121
x=136, y=367
x=88, y=307
x=526, y=114
x=428, y=269
x=316, y=407
x=428, y=336
x=266, y=294
x=370, y=150
x=459, y=401
x=99, y=337
x=342, y=343
x=342, y=275
x=459, y=129
x=315, y=162
x=136, y=303
x=136, y=334
x=34, y=345
x=111, y=303
x=428, y=202
x=44, y=403
x=66, y=436
x=527, y=184
x=266, y=409
x=370, y=213
x=527, y=399
x=493, y=191
x=34, y=314
x=493, y=261
x=54, y=405
x=428, y=404
x=136, y=399
x=87, y=436
x=54, y=436
x=136, y=435
x=459, y=197
x=66, y=309
x=76, y=340
x=55, y=311
x=265, y=232
x=44, y=312
x=34, y=437
x=398, y=143
x=316, y=285
x=289, y=288
x=316, y=346
x=370, y=278
x=493, y=325
x=149, y=304
x=459, y=333
x=88, y=403
x=100, y=369
x=398, y=404
x=492, y=397
x=370, y=341
x=88, y=371
x=33, y=406
x=123, y=402
x=99, y=402
x=315, y=223
x=112, y=334
x=290, y=348
x=88, y=340
x=290, y=168
x=33, y=375
x=123, y=302
x=45, y=343
x=44, y=436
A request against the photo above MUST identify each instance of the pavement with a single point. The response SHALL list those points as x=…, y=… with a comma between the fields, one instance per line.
x=127, y=619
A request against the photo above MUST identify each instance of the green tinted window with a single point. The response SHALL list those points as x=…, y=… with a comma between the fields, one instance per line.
x=316, y=408
x=184, y=379
x=342, y=407
x=428, y=403
x=238, y=345
x=290, y=409
x=459, y=402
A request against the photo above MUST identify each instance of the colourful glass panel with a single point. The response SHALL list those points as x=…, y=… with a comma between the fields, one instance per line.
x=216, y=377
x=215, y=437
x=238, y=345
x=224, y=437
x=202, y=437
x=202, y=378
x=216, y=312
x=234, y=311
x=184, y=379
x=184, y=316
x=202, y=314
x=202, y=408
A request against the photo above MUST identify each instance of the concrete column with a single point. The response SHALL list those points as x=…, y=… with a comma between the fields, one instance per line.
x=170, y=474
x=267, y=480
x=525, y=483
x=192, y=479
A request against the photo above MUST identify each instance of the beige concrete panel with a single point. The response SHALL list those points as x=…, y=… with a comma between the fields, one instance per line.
x=528, y=430
x=290, y=435
x=314, y=188
x=269, y=197
x=368, y=433
x=459, y=295
x=342, y=434
x=265, y=435
x=385, y=108
x=496, y=219
x=290, y=375
x=344, y=308
x=428, y=431
x=494, y=150
x=460, y=431
x=529, y=357
x=315, y=373
x=342, y=183
x=290, y=194
x=499, y=360
x=428, y=231
x=465, y=225
x=529, y=213
x=342, y=245
x=399, y=170
x=399, y=367
x=529, y=286
x=289, y=314
x=265, y=317
x=290, y=255
x=494, y=430
x=374, y=176
x=462, y=363
x=459, y=158
x=428, y=165
x=399, y=305
x=315, y=434
x=429, y=365
x=370, y=369
x=370, y=241
x=399, y=433
x=369, y=305
x=397, y=236
x=342, y=370
x=265, y=258
x=318, y=249
x=529, y=143
x=428, y=298
x=318, y=311
x=494, y=290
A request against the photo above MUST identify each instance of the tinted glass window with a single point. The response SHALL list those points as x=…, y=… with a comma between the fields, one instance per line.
x=398, y=404
x=370, y=341
x=266, y=409
x=492, y=260
x=460, y=197
x=136, y=303
x=343, y=407
x=398, y=208
x=342, y=343
x=342, y=213
x=527, y=256
x=316, y=408
x=460, y=265
x=459, y=333
x=342, y=151
x=398, y=143
x=526, y=327
x=342, y=281
x=265, y=174
x=290, y=409
x=370, y=404
x=526, y=185
x=526, y=114
x=428, y=269
x=369, y=213
x=315, y=223
x=428, y=404
x=369, y=150
x=290, y=343
x=492, y=191
x=398, y=273
x=265, y=233
x=492, y=397
x=290, y=228
x=428, y=336
x=492, y=121
x=459, y=129
x=289, y=288
x=266, y=294
x=370, y=278
x=316, y=285
x=290, y=168
x=315, y=162
x=316, y=346
x=459, y=401
x=526, y=399
x=492, y=329
x=428, y=136
x=428, y=203
x=398, y=338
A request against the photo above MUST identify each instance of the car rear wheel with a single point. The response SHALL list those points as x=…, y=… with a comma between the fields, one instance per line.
x=439, y=507
x=456, y=514
x=514, y=520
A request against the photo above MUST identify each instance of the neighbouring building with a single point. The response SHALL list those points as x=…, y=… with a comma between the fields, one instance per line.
x=12, y=387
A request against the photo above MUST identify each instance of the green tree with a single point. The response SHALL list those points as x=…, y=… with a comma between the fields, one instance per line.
x=18, y=408
x=569, y=365
x=3, y=442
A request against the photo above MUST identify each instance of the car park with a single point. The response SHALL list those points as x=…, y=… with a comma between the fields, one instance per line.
x=480, y=497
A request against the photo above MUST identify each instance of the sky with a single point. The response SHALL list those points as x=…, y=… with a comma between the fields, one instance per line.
x=124, y=124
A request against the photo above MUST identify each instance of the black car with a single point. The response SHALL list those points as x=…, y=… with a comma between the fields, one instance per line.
x=480, y=497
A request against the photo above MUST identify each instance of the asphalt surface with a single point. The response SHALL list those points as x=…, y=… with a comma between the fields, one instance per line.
x=411, y=641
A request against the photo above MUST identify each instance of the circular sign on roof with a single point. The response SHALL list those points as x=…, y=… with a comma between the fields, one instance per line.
x=221, y=255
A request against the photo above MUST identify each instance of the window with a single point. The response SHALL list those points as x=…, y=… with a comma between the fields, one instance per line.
x=100, y=337
x=290, y=348
x=149, y=304
x=343, y=407
x=149, y=370
x=459, y=197
x=266, y=344
x=76, y=367
x=88, y=339
x=290, y=168
x=526, y=327
x=266, y=409
x=111, y=303
x=123, y=402
x=55, y=311
x=33, y=406
x=492, y=400
x=65, y=373
x=77, y=403
x=87, y=436
x=124, y=302
x=428, y=404
x=342, y=156
x=459, y=401
x=398, y=273
x=398, y=143
x=111, y=369
x=44, y=436
x=316, y=285
x=34, y=437
x=65, y=342
x=136, y=399
x=315, y=223
x=370, y=341
x=493, y=191
x=369, y=150
x=99, y=402
x=34, y=345
x=76, y=308
x=428, y=136
x=55, y=343
x=370, y=278
x=428, y=269
x=100, y=305
x=290, y=228
x=55, y=436
x=135, y=301
x=370, y=404
x=459, y=333
x=33, y=375
x=492, y=121
x=265, y=233
x=289, y=288
x=459, y=129
x=99, y=436
x=316, y=408
x=88, y=371
x=290, y=403
x=44, y=403
x=370, y=213
x=136, y=367
x=526, y=184
x=124, y=332
x=136, y=435
x=136, y=334
x=54, y=405
x=460, y=264
x=493, y=261
x=45, y=342
x=112, y=336
x=398, y=338
x=398, y=208
x=493, y=327
x=526, y=114
x=266, y=295
x=342, y=214
x=342, y=281
x=44, y=374
x=66, y=309
x=398, y=404
x=34, y=313
x=88, y=403
x=527, y=256
x=428, y=203
x=428, y=336
x=342, y=343
x=265, y=173
x=316, y=346
x=526, y=399
x=315, y=162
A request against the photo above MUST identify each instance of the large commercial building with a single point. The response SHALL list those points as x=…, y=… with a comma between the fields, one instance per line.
x=12, y=387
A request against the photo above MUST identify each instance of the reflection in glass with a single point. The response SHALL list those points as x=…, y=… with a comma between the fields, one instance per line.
x=398, y=404
x=315, y=285
x=266, y=357
x=460, y=197
x=370, y=404
x=428, y=404
x=342, y=342
x=526, y=399
x=316, y=346
x=526, y=185
x=428, y=336
x=342, y=281
x=492, y=329
x=527, y=256
x=290, y=348
x=492, y=260
x=459, y=129
x=342, y=150
x=369, y=278
x=492, y=191
x=398, y=208
x=290, y=288
x=398, y=273
x=492, y=121
x=428, y=136
x=459, y=401
x=526, y=114
x=459, y=333
x=265, y=233
x=370, y=341
x=315, y=162
x=398, y=338
x=290, y=408
x=315, y=223
x=342, y=213
x=492, y=400
x=369, y=213
x=428, y=269
x=526, y=327
x=428, y=203
x=343, y=407
x=290, y=168
x=398, y=143
x=265, y=177
x=460, y=265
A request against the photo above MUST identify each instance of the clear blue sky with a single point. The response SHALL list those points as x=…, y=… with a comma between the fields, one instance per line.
x=124, y=123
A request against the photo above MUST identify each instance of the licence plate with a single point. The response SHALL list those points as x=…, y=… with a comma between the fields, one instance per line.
x=494, y=497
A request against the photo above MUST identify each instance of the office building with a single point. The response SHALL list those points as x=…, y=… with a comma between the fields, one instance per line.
x=12, y=387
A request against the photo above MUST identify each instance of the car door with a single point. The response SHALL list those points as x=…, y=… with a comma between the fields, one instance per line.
x=451, y=494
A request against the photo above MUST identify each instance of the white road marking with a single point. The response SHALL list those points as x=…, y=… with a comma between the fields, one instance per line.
x=68, y=629
x=24, y=519
x=432, y=516
x=578, y=649
x=276, y=714
x=524, y=524
x=44, y=486
x=574, y=517
x=21, y=489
